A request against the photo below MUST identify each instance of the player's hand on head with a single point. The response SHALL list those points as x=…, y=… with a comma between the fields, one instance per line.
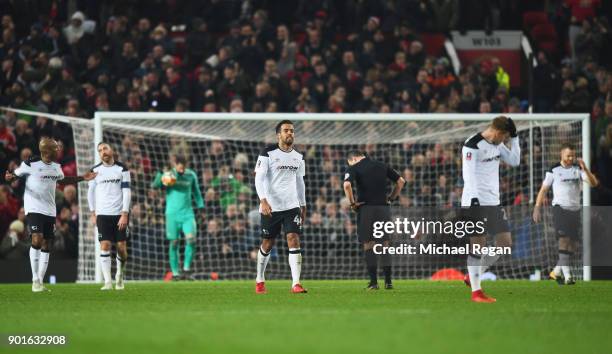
x=512, y=128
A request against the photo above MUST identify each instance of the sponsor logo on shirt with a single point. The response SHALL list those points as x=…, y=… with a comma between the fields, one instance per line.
x=117, y=180
x=287, y=167
x=570, y=179
x=492, y=158
x=51, y=177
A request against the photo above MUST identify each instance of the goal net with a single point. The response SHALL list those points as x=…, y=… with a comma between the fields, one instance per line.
x=222, y=149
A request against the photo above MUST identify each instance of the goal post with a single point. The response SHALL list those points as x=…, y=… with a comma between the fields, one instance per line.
x=161, y=134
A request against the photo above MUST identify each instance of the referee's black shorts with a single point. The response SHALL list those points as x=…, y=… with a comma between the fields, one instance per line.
x=370, y=218
x=566, y=222
x=41, y=224
x=108, y=230
x=494, y=217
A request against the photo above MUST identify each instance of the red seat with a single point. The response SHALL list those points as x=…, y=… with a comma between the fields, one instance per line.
x=532, y=18
x=543, y=32
x=433, y=43
x=549, y=47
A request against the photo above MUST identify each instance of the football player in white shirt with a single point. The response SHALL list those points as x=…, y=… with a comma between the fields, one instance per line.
x=109, y=202
x=279, y=180
x=566, y=180
x=481, y=154
x=41, y=178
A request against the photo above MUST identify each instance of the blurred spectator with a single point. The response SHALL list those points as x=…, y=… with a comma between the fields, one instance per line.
x=9, y=207
x=16, y=244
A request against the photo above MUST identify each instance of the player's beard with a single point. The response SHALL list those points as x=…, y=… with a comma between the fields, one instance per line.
x=288, y=141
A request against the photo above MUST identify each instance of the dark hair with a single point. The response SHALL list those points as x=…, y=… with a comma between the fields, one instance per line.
x=501, y=123
x=355, y=153
x=104, y=143
x=180, y=159
x=280, y=124
x=567, y=145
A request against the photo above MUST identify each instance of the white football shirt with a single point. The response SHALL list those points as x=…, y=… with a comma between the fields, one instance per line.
x=41, y=181
x=279, y=178
x=481, y=168
x=566, y=185
x=109, y=192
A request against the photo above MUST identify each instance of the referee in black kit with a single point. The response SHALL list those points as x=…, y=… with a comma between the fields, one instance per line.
x=372, y=205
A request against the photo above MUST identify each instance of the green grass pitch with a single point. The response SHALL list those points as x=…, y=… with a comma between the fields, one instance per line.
x=334, y=317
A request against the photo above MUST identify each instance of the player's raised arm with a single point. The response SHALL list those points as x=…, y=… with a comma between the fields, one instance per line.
x=76, y=179
x=586, y=175
x=511, y=156
x=22, y=171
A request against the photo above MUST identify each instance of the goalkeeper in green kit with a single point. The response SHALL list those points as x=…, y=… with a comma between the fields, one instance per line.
x=181, y=184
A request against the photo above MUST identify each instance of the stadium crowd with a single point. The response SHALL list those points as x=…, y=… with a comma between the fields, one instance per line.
x=77, y=57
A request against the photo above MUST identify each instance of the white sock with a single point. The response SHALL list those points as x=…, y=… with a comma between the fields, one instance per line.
x=473, y=266
x=262, y=262
x=564, y=261
x=120, y=268
x=295, y=262
x=34, y=256
x=486, y=261
x=557, y=270
x=43, y=262
x=105, y=264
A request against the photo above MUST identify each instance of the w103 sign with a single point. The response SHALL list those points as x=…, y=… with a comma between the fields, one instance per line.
x=476, y=47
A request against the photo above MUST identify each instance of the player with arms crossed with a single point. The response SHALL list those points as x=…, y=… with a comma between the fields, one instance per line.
x=565, y=179
x=109, y=202
x=279, y=180
x=41, y=178
x=481, y=154
x=181, y=185
x=372, y=206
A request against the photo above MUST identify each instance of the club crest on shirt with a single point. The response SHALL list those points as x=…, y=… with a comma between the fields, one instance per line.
x=468, y=156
